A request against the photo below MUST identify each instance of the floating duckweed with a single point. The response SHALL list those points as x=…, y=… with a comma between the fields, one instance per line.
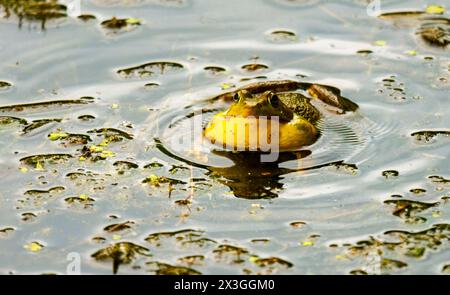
x=379, y=43
x=150, y=68
x=167, y=269
x=120, y=253
x=411, y=52
x=390, y=173
x=226, y=86
x=57, y=135
x=106, y=154
x=254, y=67
x=116, y=237
x=308, y=243
x=435, y=9
x=114, y=106
x=95, y=149
x=34, y=247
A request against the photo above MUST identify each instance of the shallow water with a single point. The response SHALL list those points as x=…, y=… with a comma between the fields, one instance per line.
x=307, y=214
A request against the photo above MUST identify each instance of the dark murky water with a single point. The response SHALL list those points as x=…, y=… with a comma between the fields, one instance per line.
x=94, y=170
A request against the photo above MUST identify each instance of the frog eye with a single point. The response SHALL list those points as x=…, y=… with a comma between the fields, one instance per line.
x=236, y=97
x=274, y=100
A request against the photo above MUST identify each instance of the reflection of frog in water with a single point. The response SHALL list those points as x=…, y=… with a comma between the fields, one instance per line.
x=241, y=127
x=249, y=178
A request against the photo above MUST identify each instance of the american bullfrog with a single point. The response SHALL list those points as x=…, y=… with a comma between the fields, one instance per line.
x=268, y=115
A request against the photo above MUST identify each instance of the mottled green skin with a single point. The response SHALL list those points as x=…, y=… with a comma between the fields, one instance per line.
x=300, y=105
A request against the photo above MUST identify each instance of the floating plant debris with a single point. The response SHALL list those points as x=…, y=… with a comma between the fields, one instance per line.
x=192, y=260
x=120, y=253
x=439, y=179
x=283, y=35
x=36, y=124
x=151, y=68
x=86, y=17
x=407, y=209
x=435, y=33
x=399, y=242
x=34, y=10
x=230, y=253
x=214, y=70
x=390, y=173
x=6, y=120
x=272, y=262
x=254, y=67
x=4, y=85
x=34, y=247
x=6, y=230
x=38, y=161
x=120, y=23
x=45, y=105
x=167, y=269
x=119, y=226
x=427, y=136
